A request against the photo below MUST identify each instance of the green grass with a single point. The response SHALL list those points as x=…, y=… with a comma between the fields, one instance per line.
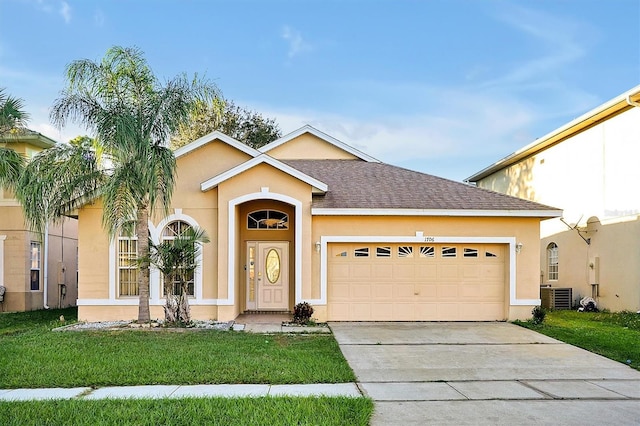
x=32, y=356
x=191, y=411
x=613, y=335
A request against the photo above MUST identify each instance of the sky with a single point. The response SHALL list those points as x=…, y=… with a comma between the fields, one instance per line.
x=446, y=87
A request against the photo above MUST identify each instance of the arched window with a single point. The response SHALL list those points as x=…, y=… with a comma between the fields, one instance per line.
x=169, y=233
x=552, y=262
x=267, y=219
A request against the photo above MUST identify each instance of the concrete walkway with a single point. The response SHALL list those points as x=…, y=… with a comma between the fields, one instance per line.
x=484, y=373
x=171, y=391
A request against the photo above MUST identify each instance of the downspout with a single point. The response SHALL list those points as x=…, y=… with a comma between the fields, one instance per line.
x=632, y=103
x=46, y=266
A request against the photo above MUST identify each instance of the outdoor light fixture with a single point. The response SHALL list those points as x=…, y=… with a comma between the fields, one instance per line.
x=519, y=247
x=318, y=245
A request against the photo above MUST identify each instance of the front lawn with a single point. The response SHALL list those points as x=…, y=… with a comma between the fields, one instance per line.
x=191, y=411
x=32, y=356
x=613, y=335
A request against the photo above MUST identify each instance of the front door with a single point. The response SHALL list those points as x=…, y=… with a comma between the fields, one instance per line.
x=268, y=275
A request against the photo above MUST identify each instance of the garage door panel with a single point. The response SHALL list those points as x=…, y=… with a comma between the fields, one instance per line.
x=382, y=291
x=426, y=272
x=382, y=271
x=339, y=272
x=360, y=292
x=426, y=291
x=404, y=312
x=448, y=272
x=405, y=282
x=404, y=272
x=339, y=292
x=360, y=272
x=403, y=291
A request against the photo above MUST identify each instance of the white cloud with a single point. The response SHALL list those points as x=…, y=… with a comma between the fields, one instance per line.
x=297, y=44
x=65, y=11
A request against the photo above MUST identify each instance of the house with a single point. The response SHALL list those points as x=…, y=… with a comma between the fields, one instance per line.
x=588, y=167
x=37, y=271
x=309, y=218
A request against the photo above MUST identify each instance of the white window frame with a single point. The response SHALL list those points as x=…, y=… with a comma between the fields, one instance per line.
x=553, y=266
x=37, y=266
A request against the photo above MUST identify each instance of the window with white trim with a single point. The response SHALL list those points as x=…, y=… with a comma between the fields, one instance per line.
x=383, y=251
x=449, y=252
x=427, y=251
x=470, y=252
x=171, y=232
x=405, y=251
x=552, y=262
x=267, y=219
x=35, y=255
x=128, y=265
x=361, y=252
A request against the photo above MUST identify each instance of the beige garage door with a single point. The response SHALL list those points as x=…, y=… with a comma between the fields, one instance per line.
x=416, y=282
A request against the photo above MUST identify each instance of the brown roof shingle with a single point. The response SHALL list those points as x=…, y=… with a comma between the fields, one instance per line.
x=368, y=185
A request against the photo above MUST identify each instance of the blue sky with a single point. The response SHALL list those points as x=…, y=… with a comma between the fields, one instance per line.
x=446, y=87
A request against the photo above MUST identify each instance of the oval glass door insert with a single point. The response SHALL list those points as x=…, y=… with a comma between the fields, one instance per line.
x=272, y=266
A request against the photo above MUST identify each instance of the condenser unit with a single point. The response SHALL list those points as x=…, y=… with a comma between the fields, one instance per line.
x=556, y=298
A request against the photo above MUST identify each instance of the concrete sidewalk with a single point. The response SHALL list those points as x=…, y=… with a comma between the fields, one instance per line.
x=177, y=391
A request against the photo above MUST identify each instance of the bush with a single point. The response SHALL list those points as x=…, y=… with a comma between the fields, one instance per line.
x=302, y=313
x=538, y=315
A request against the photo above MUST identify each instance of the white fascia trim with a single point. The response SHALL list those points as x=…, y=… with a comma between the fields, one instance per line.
x=420, y=238
x=231, y=247
x=317, y=133
x=200, y=142
x=263, y=158
x=435, y=212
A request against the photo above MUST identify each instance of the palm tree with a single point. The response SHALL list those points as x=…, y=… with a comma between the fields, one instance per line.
x=132, y=115
x=12, y=122
x=176, y=259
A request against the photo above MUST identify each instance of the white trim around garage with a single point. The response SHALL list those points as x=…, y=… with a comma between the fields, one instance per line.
x=420, y=238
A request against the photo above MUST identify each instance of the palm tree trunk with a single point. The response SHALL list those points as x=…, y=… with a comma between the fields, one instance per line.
x=142, y=226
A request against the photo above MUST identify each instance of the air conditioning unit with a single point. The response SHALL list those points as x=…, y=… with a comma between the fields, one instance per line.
x=556, y=298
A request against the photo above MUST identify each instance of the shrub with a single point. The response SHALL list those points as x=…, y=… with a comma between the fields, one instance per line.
x=538, y=315
x=302, y=313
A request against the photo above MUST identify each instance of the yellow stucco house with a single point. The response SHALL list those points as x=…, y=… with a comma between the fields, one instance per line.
x=36, y=271
x=309, y=218
x=589, y=168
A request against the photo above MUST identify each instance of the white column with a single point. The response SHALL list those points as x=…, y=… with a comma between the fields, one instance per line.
x=2, y=238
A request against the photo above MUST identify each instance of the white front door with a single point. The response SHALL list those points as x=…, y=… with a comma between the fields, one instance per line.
x=268, y=275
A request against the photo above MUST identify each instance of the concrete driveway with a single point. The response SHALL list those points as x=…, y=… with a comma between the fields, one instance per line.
x=484, y=373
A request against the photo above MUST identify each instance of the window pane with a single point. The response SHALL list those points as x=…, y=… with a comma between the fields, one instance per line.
x=470, y=252
x=427, y=251
x=267, y=219
x=361, y=252
x=383, y=251
x=405, y=251
x=448, y=252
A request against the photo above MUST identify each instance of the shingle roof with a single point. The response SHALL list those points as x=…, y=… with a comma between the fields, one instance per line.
x=364, y=185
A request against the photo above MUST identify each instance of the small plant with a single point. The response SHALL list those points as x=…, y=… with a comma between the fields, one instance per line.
x=302, y=313
x=538, y=315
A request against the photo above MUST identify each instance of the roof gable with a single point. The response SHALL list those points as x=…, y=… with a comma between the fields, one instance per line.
x=211, y=137
x=356, y=154
x=319, y=187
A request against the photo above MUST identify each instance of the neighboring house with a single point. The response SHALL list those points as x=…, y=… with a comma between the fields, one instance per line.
x=309, y=218
x=37, y=271
x=589, y=168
